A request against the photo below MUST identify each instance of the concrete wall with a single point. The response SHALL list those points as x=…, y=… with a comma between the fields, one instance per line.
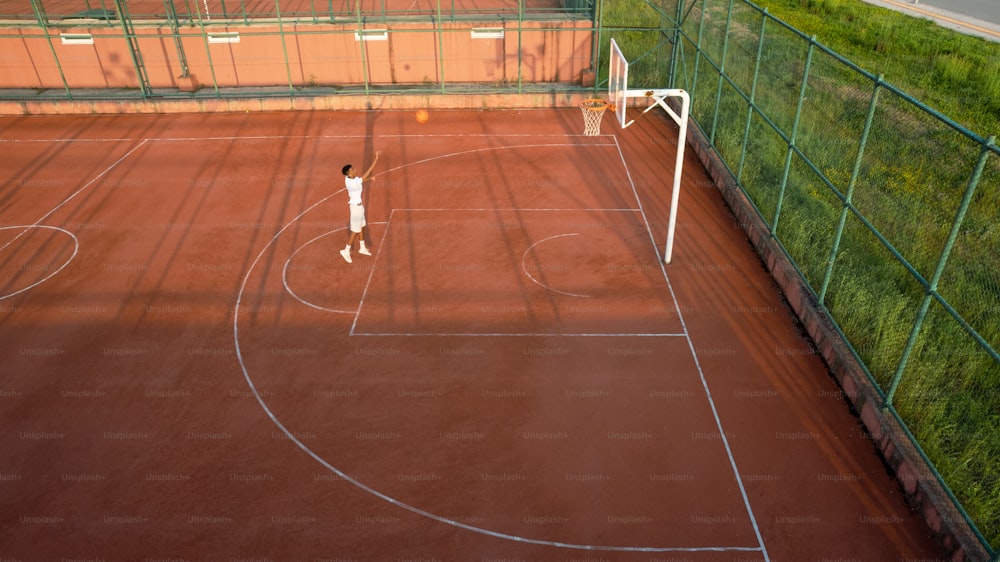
x=296, y=54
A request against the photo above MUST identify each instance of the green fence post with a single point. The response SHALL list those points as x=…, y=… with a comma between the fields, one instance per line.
x=284, y=47
x=839, y=233
x=40, y=15
x=43, y=22
x=440, y=36
x=208, y=50
x=698, y=51
x=128, y=29
x=753, y=97
x=171, y=10
x=675, y=44
x=363, y=47
x=795, y=131
x=595, y=43
x=931, y=287
x=722, y=73
x=520, y=52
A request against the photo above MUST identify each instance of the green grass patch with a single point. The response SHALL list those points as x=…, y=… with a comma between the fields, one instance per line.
x=953, y=73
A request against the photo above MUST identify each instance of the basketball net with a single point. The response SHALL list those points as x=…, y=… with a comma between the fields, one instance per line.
x=593, y=110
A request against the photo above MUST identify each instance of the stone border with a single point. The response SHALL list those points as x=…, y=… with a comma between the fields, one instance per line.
x=194, y=103
x=921, y=488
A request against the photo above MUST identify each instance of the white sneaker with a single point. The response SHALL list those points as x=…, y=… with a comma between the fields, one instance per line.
x=364, y=252
x=347, y=255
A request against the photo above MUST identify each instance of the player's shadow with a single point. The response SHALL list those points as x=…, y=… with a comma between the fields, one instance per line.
x=368, y=153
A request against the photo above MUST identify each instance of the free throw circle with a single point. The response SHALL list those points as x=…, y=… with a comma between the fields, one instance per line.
x=33, y=254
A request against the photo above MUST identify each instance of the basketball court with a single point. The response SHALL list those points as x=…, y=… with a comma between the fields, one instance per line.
x=192, y=371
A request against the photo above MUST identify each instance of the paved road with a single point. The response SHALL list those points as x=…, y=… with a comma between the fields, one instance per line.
x=975, y=17
x=986, y=10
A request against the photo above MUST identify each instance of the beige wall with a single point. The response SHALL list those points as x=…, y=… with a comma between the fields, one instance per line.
x=317, y=54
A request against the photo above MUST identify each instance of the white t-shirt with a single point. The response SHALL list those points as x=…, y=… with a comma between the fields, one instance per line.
x=353, y=190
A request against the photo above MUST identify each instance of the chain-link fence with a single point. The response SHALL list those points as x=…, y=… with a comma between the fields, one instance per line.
x=128, y=49
x=65, y=11
x=887, y=208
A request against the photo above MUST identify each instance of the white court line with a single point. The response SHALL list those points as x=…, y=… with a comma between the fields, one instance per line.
x=29, y=141
x=388, y=136
x=368, y=282
x=284, y=274
x=524, y=258
x=457, y=524
x=357, y=317
x=307, y=137
x=291, y=436
x=344, y=476
x=519, y=334
x=488, y=149
x=76, y=241
x=519, y=210
x=76, y=249
x=79, y=191
x=701, y=373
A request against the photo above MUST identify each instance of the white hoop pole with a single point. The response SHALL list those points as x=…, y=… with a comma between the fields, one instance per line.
x=682, y=121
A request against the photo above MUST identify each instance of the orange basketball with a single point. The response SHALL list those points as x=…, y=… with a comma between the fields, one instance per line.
x=422, y=116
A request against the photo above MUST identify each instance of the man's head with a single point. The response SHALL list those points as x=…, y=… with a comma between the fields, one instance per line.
x=347, y=170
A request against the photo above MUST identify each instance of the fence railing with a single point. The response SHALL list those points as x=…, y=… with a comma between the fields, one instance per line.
x=125, y=49
x=887, y=208
x=68, y=11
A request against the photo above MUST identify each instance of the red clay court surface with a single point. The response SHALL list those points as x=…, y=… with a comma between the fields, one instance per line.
x=190, y=371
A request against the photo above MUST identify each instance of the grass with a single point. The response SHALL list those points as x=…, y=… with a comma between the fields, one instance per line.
x=910, y=182
x=956, y=74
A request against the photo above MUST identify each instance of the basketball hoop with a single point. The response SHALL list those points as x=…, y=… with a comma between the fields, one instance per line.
x=593, y=110
x=618, y=95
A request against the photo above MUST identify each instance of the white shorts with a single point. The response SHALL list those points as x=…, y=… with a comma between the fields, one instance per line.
x=357, y=218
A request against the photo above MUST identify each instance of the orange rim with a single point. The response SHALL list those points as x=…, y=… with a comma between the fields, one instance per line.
x=595, y=105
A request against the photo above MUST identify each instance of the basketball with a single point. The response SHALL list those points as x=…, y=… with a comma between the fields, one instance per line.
x=422, y=116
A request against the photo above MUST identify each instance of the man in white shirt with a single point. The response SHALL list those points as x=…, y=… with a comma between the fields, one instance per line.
x=355, y=184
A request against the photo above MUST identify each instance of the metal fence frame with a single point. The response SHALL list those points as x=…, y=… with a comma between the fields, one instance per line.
x=247, y=11
x=708, y=48
x=180, y=20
